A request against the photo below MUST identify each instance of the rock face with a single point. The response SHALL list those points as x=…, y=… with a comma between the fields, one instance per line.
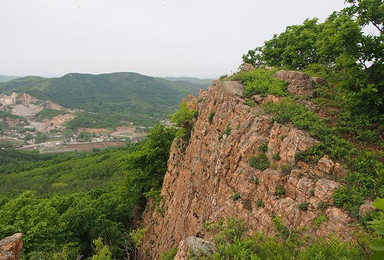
x=10, y=247
x=299, y=83
x=196, y=246
x=203, y=177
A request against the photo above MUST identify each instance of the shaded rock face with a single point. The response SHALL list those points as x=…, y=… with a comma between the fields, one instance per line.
x=10, y=247
x=201, y=180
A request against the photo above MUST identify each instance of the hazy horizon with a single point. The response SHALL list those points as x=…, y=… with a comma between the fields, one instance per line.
x=166, y=38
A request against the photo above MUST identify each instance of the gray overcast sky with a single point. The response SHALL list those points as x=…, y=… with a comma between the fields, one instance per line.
x=199, y=38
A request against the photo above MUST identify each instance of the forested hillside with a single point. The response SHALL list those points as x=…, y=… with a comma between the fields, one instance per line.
x=62, y=202
x=117, y=96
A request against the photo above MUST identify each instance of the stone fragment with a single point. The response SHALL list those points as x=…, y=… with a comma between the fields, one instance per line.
x=299, y=83
x=366, y=207
x=248, y=67
x=339, y=171
x=325, y=164
x=194, y=246
x=325, y=189
x=10, y=247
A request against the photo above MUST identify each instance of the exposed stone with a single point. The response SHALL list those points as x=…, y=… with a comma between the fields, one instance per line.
x=320, y=81
x=10, y=247
x=194, y=246
x=325, y=189
x=299, y=83
x=339, y=171
x=202, y=178
x=325, y=164
x=248, y=67
x=366, y=207
x=27, y=99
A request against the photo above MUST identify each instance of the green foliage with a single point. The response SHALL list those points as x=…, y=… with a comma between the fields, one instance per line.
x=168, y=255
x=286, y=168
x=117, y=96
x=183, y=119
x=378, y=226
x=72, y=199
x=41, y=138
x=319, y=220
x=249, y=102
x=227, y=130
x=236, y=196
x=137, y=236
x=102, y=251
x=49, y=113
x=304, y=206
x=260, y=81
x=263, y=147
x=337, y=49
x=259, y=162
x=210, y=117
x=233, y=243
x=279, y=190
x=260, y=203
x=276, y=157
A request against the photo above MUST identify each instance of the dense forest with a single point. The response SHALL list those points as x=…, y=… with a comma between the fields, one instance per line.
x=62, y=202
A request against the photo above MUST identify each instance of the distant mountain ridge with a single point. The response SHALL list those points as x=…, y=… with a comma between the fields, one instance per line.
x=141, y=99
x=4, y=78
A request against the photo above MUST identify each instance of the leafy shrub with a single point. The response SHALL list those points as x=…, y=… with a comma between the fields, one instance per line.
x=260, y=203
x=279, y=191
x=276, y=157
x=319, y=220
x=256, y=181
x=236, y=196
x=233, y=243
x=304, y=206
x=210, y=117
x=323, y=205
x=169, y=255
x=137, y=236
x=249, y=102
x=263, y=147
x=378, y=226
x=261, y=81
x=286, y=168
x=259, y=162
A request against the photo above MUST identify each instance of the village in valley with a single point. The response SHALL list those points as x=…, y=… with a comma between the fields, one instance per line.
x=29, y=123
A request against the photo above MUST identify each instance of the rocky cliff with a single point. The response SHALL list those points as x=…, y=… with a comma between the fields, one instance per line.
x=10, y=247
x=212, y=178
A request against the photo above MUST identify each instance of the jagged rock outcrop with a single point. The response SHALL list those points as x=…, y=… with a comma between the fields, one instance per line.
x=202, y=178
x=10, y=247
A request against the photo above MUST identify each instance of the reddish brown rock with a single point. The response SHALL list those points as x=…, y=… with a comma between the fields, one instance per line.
x=299, y=83
x=325, y=164
x=325, y=189
x=339, y=171
x=10, y=247
x=248, y=67
x=366, y=207
x=203, y=176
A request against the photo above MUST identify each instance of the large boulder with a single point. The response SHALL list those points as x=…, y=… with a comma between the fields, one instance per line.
x=10, y=247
